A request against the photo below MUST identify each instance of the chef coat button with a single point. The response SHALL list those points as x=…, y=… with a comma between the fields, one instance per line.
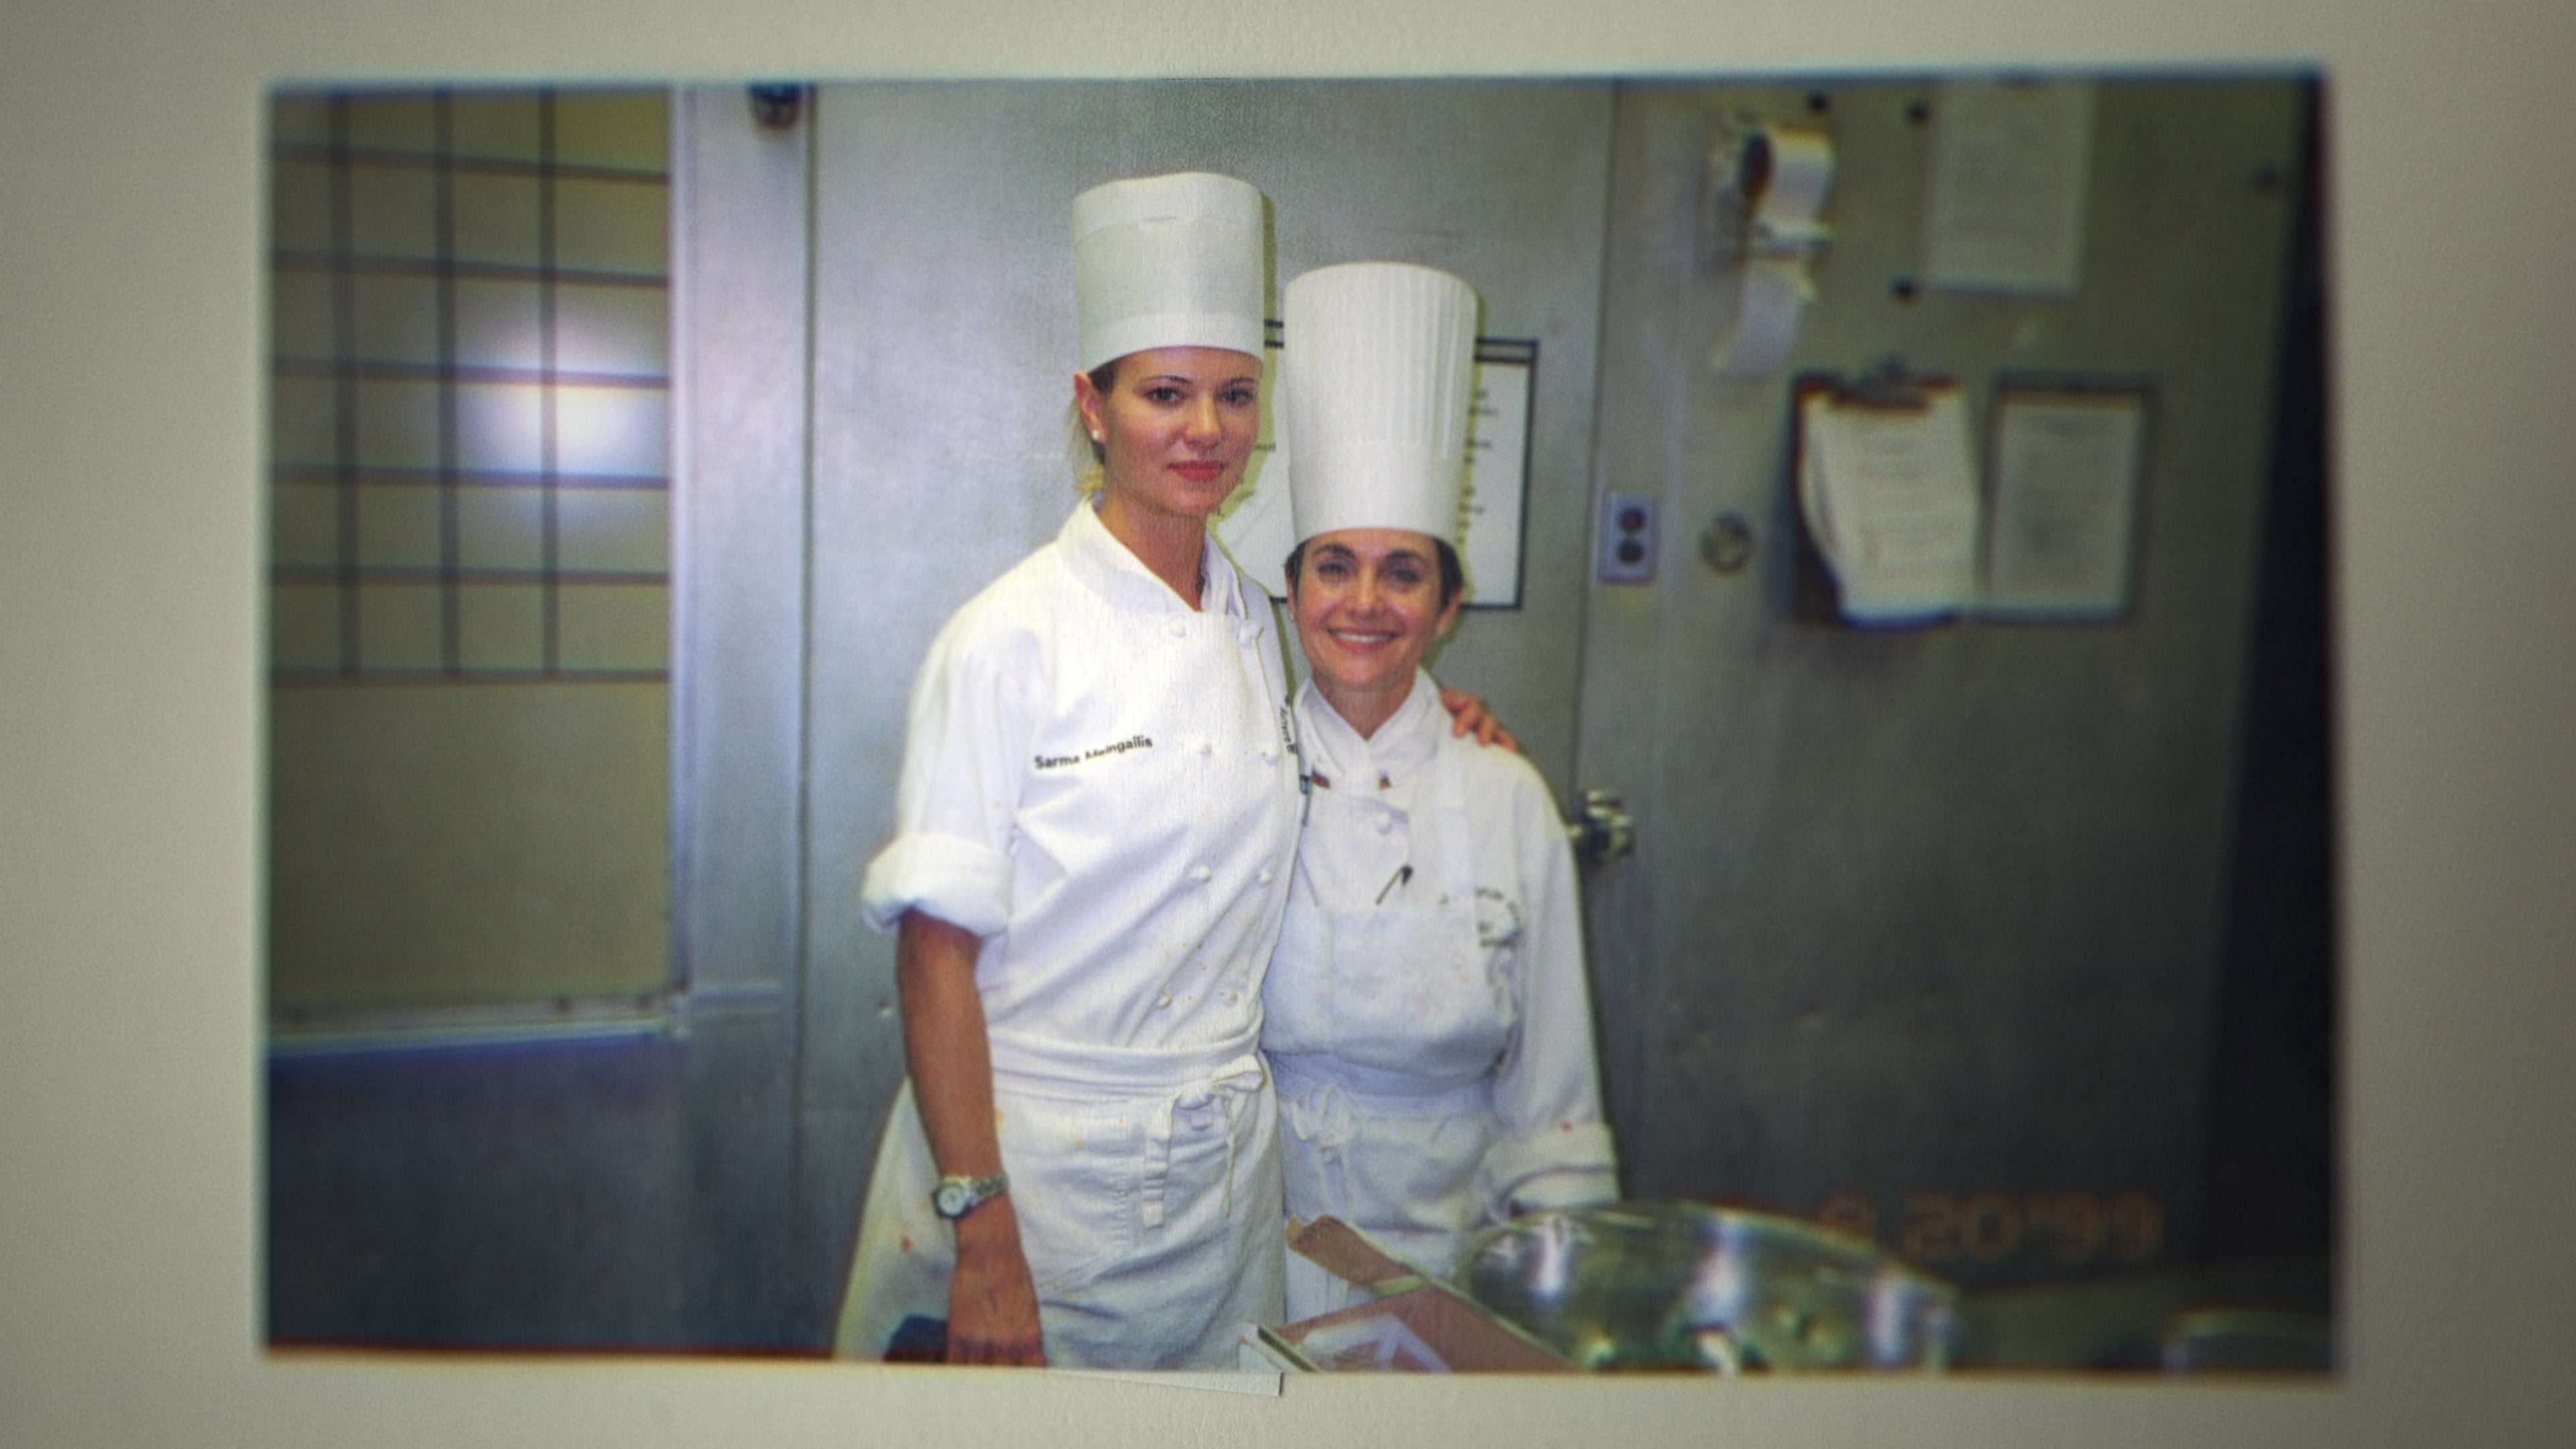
x=1163, y=1000
x=1180, y=630
x=1385, y=821
x=1201, y=874
x=1269, y=753
x=1266, y=874
x=1206, y=746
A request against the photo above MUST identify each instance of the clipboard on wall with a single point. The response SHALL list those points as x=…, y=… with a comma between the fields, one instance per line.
x=1886, y=488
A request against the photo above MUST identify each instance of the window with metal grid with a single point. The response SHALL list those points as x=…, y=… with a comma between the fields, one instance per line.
x=471, y=387
x=469, y=578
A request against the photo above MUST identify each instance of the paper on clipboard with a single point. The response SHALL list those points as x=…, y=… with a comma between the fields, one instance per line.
x=1891, y=502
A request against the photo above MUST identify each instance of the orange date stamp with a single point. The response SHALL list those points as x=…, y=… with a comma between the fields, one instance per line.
x=2064, y=1228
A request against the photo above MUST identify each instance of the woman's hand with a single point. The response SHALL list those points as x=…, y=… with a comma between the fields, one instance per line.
x=992, y=1300
x=992, y=1305
x=1467, y=715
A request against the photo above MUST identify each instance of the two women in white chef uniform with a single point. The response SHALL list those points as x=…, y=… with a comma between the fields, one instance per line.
x=1097, y=829
x=1426, y=1013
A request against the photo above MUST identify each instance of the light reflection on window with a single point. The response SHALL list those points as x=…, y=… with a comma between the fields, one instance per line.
x=471, y=412
x=611, y=430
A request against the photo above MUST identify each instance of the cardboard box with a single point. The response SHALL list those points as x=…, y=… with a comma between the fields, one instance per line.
x=1414, y=1325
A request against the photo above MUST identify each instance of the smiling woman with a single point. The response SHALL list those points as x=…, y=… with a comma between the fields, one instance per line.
x=1096, y=817
x=1427, y=1013
x=1173, y=426
x=1369, y=602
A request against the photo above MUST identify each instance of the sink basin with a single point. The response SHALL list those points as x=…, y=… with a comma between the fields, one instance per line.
x=1680, y=1285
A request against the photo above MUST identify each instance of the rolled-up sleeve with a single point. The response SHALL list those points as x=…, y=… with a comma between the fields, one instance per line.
x=964, y=759
x=959, y=881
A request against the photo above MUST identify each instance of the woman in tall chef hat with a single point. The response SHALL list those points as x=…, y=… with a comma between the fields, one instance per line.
x=1095, y=824
x=1426, y=1013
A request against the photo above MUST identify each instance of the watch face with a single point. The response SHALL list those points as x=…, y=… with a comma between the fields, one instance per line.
x=950, y=1199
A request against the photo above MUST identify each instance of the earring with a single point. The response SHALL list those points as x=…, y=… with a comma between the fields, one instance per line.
x=1099, y=438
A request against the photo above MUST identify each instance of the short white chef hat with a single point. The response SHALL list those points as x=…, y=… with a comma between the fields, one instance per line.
x=1168, y=261
x=1373, y=393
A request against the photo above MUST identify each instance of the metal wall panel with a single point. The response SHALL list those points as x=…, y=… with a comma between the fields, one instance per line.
x=741, y=320
x=1926, y=923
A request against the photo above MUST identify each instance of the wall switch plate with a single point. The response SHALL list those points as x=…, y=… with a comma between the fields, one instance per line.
x=1627, y=538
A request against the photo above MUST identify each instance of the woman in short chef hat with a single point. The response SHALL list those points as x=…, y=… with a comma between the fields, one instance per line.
x=1427, y=1018
x=1097, y=815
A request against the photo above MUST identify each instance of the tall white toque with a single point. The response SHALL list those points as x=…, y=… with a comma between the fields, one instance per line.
x=1168, y=261
x=1375, y=370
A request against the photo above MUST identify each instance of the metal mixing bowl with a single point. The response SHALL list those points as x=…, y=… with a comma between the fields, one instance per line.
x=1686, y=1285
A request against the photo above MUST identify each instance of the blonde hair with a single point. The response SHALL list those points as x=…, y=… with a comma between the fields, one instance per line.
x=1090, y=460
x=1082, y=455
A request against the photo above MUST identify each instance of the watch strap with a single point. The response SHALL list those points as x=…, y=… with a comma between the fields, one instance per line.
x=957, y=1194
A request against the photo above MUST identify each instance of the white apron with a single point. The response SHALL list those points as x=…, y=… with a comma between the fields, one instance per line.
x=1100, y=782
x=1146, y=1184
x=1383, y=1027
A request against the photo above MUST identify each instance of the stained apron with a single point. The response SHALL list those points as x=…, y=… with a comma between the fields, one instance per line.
x=1146, y=1184
x=1383, y=1027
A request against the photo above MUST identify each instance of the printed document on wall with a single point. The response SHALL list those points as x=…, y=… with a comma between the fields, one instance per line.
x=1497, y=492
x=2066, y=465
x=2010, y=165
x=1891, y=502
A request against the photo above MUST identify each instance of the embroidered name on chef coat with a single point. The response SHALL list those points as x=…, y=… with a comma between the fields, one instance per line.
x=1058, y=762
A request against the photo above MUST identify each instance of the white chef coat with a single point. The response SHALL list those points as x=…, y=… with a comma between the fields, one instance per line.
x=1101, y=783
x=1426, y=1014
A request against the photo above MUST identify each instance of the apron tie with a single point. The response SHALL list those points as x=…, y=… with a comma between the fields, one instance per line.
x=1325, y=1118
x=1322, y=1117
x=1223, y=1088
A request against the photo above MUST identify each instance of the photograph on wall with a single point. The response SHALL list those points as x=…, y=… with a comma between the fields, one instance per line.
x=744, y=557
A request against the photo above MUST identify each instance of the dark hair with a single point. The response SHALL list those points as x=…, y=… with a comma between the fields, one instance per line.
x=1453, y=577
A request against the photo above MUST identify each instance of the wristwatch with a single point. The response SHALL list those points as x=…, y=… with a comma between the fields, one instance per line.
x=958, y=1195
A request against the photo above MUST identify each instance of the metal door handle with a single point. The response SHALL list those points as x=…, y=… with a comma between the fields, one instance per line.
x=1602, y=829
